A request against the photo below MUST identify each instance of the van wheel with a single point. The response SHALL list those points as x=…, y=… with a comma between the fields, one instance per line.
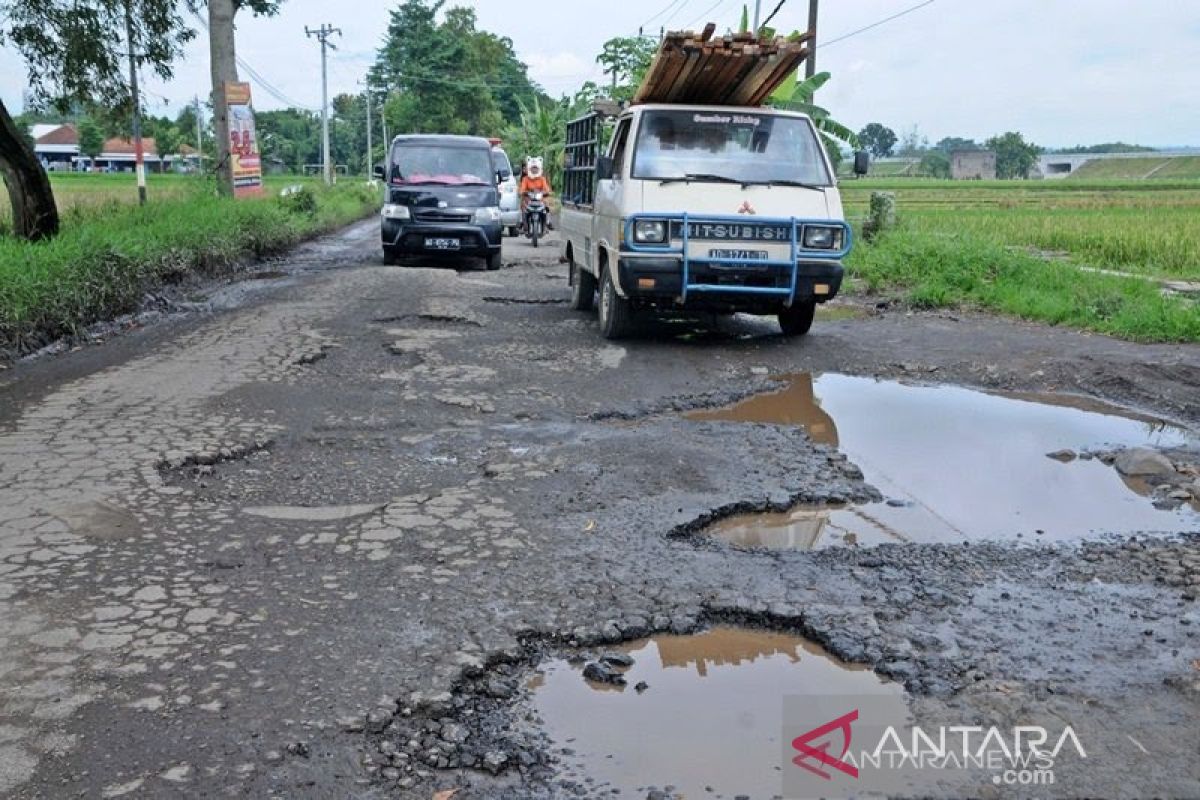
x=797, y=320
x=513, y=231
x=583, y=287
x=616, y=315
x=493, y=262
x=389, y=257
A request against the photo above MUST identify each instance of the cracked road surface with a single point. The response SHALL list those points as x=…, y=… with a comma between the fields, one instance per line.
x=246, y=552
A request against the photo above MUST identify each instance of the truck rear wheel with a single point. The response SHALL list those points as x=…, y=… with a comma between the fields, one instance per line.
x=616, y=315
x=583, y=287
x=389, y=257
x=797, y=320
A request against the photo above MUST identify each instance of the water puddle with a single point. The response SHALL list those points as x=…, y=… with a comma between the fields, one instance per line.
x=702, y=713
x=958, y=464
x=313, y=513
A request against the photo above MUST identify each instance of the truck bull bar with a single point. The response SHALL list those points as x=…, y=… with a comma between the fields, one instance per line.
x=796, y=239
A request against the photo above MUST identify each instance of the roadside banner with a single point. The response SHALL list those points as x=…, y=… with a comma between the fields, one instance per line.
x=243, y=142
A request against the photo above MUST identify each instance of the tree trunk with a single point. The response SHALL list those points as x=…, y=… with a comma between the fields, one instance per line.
x=223, y=60
x=34, y=213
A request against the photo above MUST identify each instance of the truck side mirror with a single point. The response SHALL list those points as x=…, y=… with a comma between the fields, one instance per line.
x=862, y=162
x=604, y=168
x=377, y=172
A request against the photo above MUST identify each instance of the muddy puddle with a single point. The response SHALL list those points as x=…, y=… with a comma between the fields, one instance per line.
x=956, y=464
x=702, y=713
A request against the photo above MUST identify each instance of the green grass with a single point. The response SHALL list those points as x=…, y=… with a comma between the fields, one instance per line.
x=1156, y=169
x=110, y=253
x=1016, y=248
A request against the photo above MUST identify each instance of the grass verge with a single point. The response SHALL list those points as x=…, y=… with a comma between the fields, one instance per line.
x=109, y=256
x=936, y=269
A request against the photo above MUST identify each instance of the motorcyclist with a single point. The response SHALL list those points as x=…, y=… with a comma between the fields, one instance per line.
x=533, y=179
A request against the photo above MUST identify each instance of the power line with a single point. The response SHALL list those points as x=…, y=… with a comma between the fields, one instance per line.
x=845, y=36
x=262, y=82
x=669, y=6
x=705, y=13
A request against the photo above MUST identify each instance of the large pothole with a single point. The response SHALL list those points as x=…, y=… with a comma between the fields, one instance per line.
x=692, y=716
x=955, y=464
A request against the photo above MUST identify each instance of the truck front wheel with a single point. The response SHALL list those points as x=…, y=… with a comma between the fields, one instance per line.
x=797, y=320
x=616, y=316
x=583, y=287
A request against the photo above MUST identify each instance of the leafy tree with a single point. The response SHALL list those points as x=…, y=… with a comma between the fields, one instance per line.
x=934, y=164
x=625, y=59
x=290, y=135
x=1014, y=156
x=166, y=138
x=797, y=95
x=949, y=144
x=877, y=138
x=1107, y=147
x=76, y=53
x=448, y=76
x=91, y=138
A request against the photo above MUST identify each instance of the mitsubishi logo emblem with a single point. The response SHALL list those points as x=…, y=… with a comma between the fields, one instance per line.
x=746, y=208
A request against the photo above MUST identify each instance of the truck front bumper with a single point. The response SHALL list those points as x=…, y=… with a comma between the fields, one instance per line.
x=658, y=281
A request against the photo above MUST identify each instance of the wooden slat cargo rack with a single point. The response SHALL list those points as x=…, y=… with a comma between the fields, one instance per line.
x=733, y=70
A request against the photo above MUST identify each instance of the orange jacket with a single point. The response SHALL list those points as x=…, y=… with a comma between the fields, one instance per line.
x=539, y=184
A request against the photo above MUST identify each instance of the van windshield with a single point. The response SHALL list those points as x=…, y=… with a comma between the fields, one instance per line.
x=439, y=164
x=735, y=147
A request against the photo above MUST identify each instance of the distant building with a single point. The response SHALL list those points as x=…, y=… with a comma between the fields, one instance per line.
x=973, y=165
x=56, y=146
x=117, y=155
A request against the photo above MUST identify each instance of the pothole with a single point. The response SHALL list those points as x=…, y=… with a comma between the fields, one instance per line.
x=702, y=714
x=955, y=464
x=313, y=513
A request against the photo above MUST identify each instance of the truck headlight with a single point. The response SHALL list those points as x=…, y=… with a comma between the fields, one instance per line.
x=394, y=211
x=485, y=216
x=822, y=237
x=650, y=231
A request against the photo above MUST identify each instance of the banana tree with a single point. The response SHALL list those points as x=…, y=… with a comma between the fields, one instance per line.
x=797, y=95
x=541, y=131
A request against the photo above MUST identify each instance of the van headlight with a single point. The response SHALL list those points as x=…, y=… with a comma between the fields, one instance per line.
x=486, y=216
x=394, y=211
x=650, y=231
x=822, y=237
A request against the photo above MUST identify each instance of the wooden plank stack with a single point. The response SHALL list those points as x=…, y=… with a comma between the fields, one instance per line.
x=735, y=70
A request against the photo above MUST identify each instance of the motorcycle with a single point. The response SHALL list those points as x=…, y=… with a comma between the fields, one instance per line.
x=536, y=216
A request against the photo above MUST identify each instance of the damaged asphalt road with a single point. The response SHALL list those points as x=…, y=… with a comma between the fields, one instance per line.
x=314, y=543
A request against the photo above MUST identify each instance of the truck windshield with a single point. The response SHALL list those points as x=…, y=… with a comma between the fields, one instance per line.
x=436, y=164
x=719, y=146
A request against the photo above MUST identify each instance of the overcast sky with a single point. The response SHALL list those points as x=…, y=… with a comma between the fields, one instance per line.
x=1061, y=71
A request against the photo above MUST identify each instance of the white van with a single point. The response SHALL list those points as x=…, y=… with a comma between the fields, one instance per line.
x=715, y=208
x=510, y=201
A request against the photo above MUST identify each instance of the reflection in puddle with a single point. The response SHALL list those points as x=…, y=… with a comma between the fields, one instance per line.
x=312, y=513
x=711, y=715
x=958, y=464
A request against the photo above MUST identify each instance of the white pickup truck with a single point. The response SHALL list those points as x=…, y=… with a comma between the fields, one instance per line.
x=711, y=208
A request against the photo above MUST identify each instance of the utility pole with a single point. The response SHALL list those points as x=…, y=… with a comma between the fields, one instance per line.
x=810, y=64
x=322, y=35
x=199, y=137
x=387, y=143
x=370, y=158
x=138, y=155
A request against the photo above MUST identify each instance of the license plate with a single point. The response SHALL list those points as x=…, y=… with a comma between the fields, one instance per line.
x=726, y=254
x=442, y=244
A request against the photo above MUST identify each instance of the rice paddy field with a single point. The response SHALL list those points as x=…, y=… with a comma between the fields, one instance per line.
x=1041, y=250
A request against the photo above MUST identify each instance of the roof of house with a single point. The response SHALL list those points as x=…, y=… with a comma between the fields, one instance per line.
x=119, y=146
x=55, y=134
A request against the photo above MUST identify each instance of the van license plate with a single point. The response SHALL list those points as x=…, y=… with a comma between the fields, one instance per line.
x=442, y=244
x=737, y=255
